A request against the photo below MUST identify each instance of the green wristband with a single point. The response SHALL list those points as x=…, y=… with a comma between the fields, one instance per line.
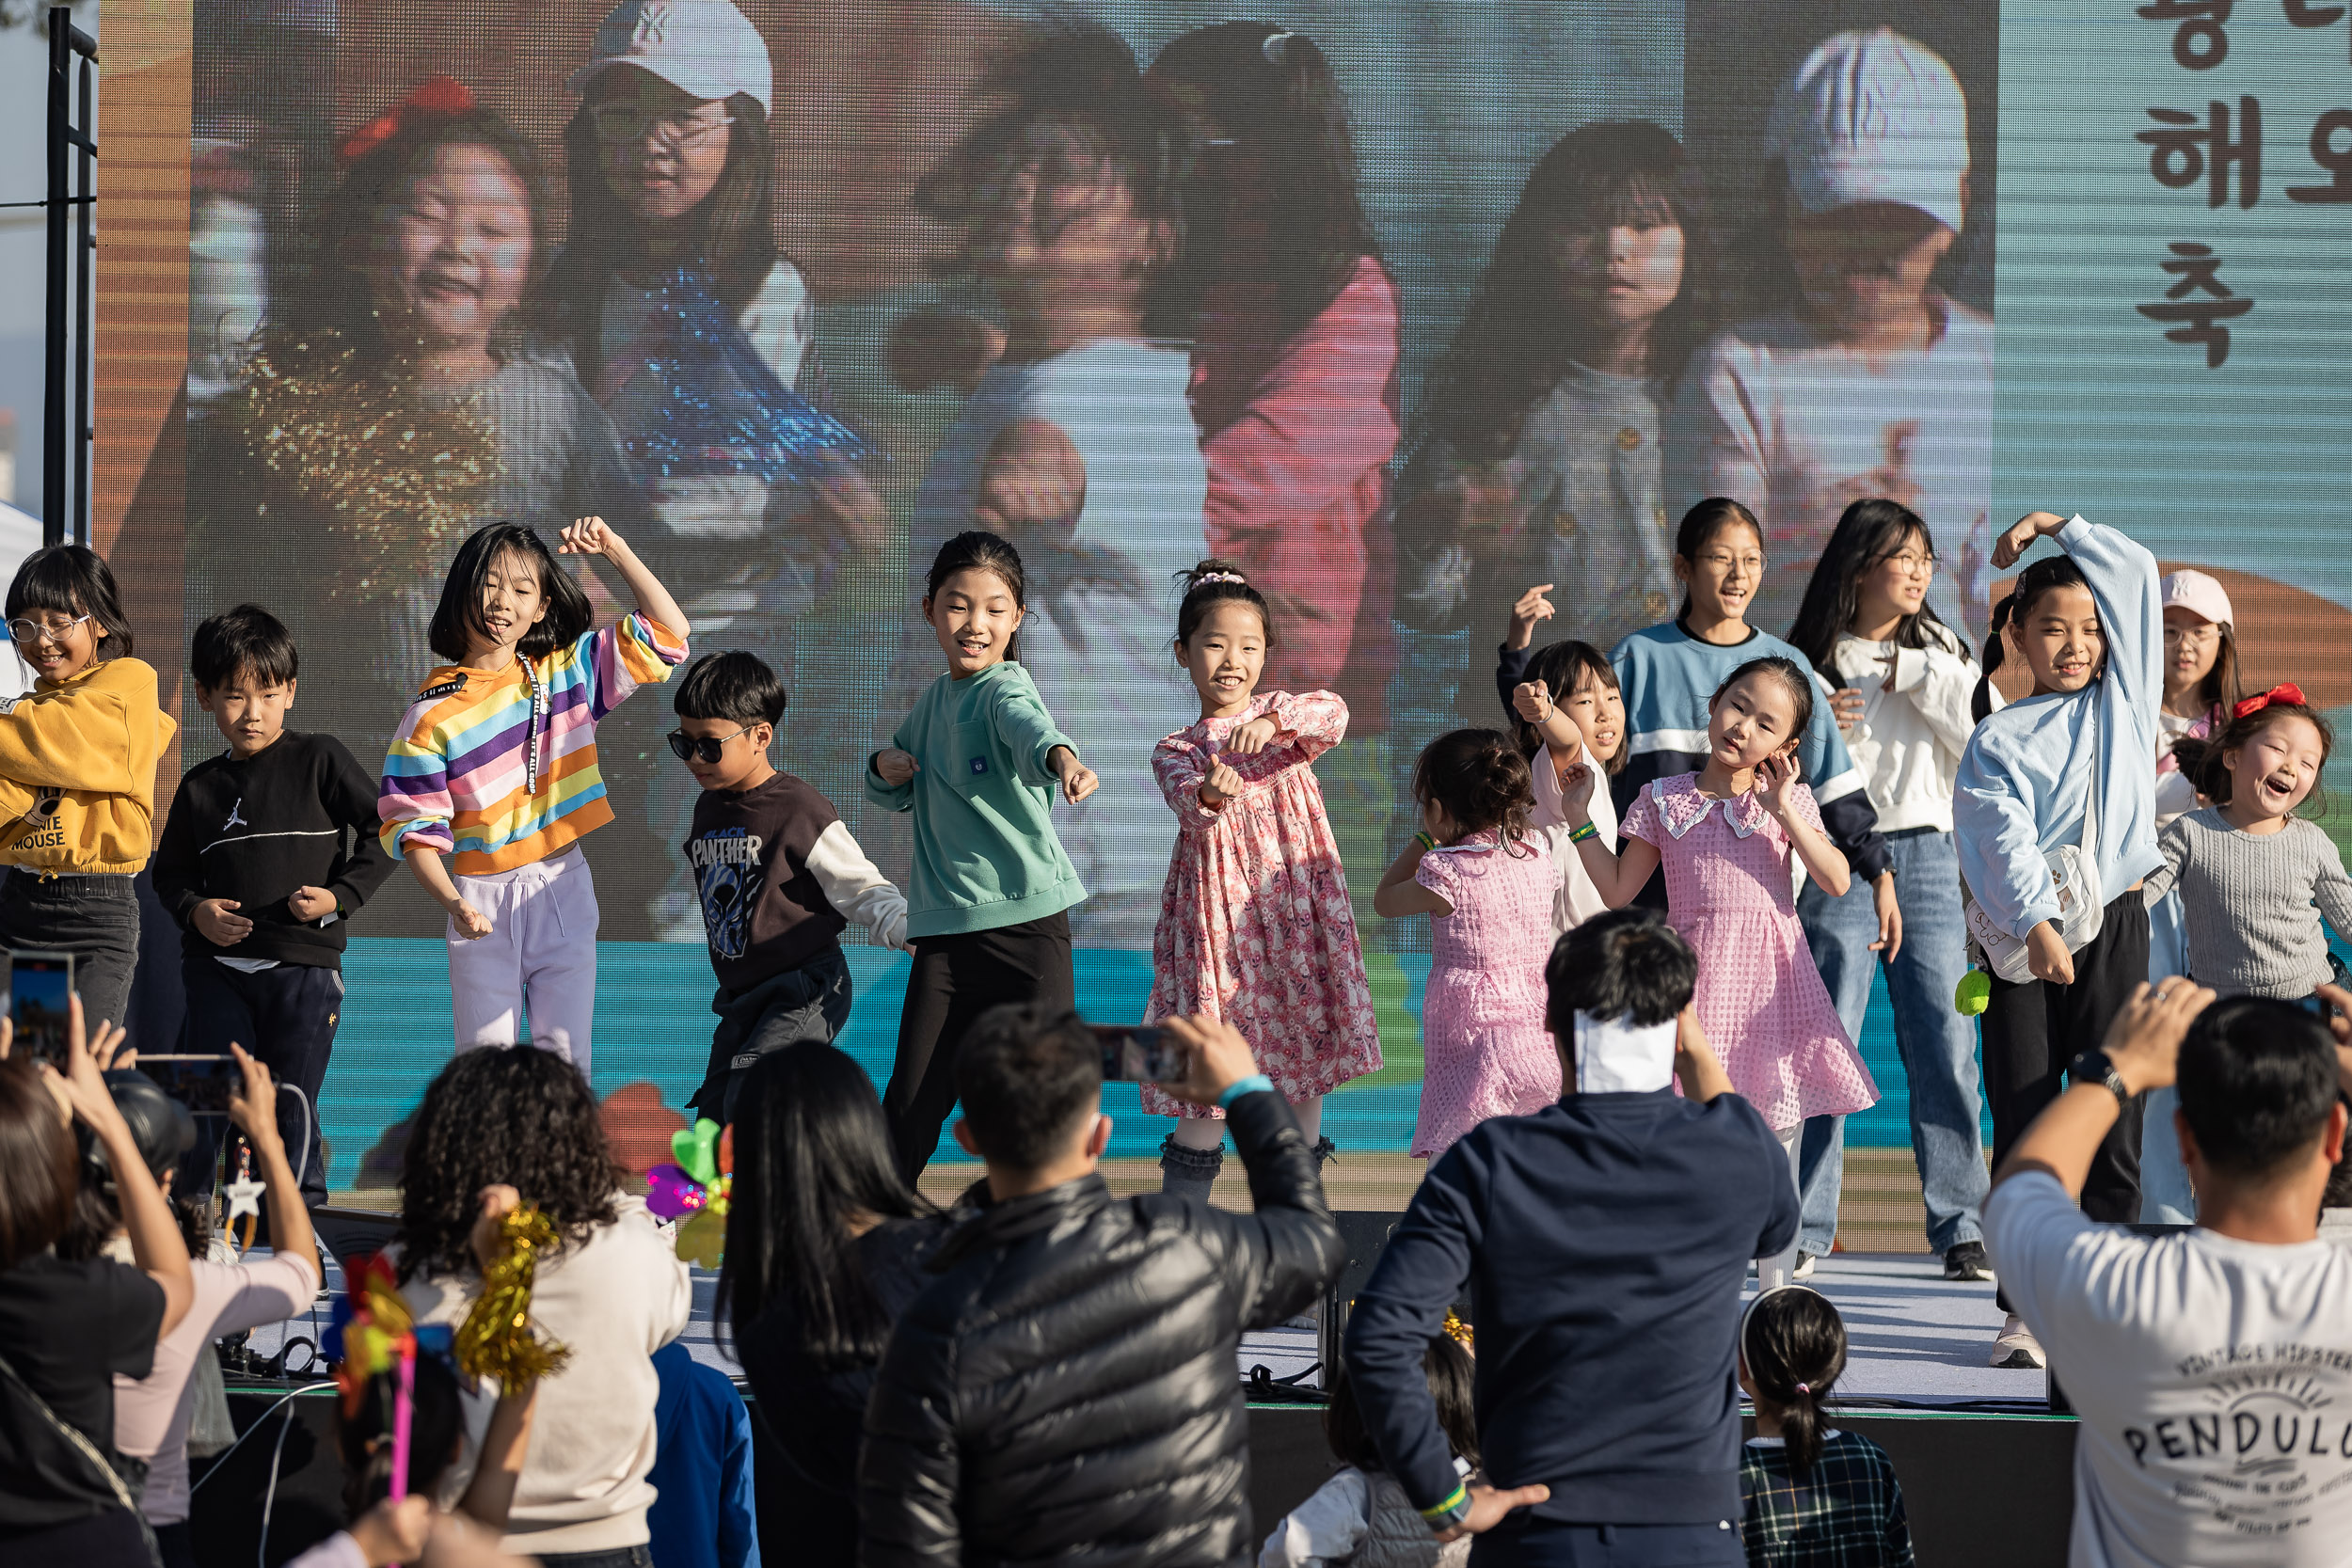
x=1426, y=840
x=1577, y=835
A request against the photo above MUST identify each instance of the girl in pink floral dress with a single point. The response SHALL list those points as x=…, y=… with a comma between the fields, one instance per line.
x=1254, y=921
x=1731, y=837
x=1485, y=878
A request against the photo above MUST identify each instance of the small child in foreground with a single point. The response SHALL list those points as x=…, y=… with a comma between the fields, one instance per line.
x=1361, y=1514
x=777, y=874
x=1813, y=1496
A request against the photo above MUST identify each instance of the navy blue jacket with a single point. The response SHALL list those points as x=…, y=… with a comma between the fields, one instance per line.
x=1604, y=1241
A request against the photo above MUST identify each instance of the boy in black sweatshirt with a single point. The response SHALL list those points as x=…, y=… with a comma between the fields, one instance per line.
x=778, y=875
x=270, y=848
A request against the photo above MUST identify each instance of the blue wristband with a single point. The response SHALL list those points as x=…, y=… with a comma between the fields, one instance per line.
x=1256, y=1082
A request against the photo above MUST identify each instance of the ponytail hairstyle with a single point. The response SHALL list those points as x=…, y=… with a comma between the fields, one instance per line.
x=2201, y=760
x=1789, y=673
x=1480, y=781
x=1701, y=524
x=1793, y=1344
x=1868, y=532
x=2050, y=572
x=1563, y=667
x=1212, y=583
x=1274, y=149
x=979, y=550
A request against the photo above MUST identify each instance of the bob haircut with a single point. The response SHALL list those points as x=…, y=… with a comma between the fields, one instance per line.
x=38, y=1175
x=458, y=616
x=73, y=579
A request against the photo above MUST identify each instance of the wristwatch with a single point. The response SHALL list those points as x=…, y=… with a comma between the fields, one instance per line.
x=2092, y=1066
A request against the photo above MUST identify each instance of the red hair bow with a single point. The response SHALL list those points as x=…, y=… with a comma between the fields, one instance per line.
x=439, y=95
x=2286, y=692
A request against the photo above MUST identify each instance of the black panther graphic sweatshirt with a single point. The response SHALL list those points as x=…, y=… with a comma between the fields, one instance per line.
x=780, y=879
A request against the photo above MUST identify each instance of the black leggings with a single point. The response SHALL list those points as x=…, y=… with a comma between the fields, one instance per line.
x=956, y=979
x=2031, y=1032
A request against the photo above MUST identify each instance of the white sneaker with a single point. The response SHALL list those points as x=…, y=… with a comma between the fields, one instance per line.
x=2015, y=1346
x=1805, y=1266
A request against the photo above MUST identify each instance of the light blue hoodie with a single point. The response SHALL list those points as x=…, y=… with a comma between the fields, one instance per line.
x=2028, y=770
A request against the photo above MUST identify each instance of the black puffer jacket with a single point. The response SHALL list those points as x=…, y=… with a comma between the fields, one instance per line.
x=1067, y=1390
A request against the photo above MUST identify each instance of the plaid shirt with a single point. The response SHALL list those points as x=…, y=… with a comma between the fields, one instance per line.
x=1846, y=1513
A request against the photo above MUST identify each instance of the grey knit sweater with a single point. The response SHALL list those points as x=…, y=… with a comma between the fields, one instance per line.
x=2251, y=902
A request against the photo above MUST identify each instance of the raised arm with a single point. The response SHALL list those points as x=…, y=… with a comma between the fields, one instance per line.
x=254, y=1109
x=1618, y=877
x=156, y=1245
x=590, y=536
x=1792, y=805
x=1401, y=892
x=1279, y=1256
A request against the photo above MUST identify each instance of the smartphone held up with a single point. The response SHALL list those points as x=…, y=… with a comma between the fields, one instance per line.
x=1139, y=1054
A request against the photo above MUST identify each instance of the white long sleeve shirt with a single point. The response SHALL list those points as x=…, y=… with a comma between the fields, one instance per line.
x=1909, y=741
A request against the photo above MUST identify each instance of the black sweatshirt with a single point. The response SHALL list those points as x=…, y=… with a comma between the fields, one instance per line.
x=257, y=830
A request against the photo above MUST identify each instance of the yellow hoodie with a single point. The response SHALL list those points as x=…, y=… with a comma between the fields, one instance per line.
x=77, y=770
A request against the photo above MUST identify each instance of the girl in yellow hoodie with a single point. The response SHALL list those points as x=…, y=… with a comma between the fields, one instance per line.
x=77, y=774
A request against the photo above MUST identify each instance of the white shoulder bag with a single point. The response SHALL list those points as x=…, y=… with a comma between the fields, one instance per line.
x=2074, y=872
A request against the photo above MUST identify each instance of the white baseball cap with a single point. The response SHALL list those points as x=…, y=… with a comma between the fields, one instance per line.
x=705, y=48
x=2197, y=594
x=1872, y=117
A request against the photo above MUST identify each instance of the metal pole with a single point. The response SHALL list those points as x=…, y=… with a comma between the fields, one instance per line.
x=52, y=427
x=85, y=244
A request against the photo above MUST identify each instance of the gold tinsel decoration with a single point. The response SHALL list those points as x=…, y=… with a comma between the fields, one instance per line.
x=355, y=451
x=1458, y=1331
x=496, y=1340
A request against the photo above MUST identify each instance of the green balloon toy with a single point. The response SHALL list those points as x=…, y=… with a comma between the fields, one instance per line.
x=1973, y=994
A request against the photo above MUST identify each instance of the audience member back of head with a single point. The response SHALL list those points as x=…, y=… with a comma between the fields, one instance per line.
x=1065, y=1390
x=1602, y=1242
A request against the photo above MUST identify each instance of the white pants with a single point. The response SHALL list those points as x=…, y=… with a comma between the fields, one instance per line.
x=541, y=952
x=1780, y=1268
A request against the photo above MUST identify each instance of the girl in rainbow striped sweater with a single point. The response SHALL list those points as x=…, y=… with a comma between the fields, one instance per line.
x=495, y=767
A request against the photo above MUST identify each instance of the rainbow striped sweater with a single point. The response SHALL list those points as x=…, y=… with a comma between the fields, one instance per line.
x=496, y=770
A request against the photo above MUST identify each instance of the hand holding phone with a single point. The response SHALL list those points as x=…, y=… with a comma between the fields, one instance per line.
x=1138, y=1053
x=40, y=993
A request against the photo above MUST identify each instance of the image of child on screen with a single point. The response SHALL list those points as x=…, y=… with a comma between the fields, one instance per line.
x=1541, y=457
x=1867, y=380
x=396, y=401
x=1078, y=444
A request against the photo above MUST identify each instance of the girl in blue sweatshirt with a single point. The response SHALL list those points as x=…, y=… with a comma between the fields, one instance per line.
x=2089, y=625
x=988, y=902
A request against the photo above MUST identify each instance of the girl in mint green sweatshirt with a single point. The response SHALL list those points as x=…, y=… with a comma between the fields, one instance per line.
x=988, y=901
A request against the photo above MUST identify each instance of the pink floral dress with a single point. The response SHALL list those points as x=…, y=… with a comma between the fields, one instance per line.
x=1730, y=891
x=1485, y=1050
x=1254, y=925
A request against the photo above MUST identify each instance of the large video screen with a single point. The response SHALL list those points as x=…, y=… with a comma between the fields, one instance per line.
x=1403, y=309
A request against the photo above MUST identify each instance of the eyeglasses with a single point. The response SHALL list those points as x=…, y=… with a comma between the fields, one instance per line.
x=622, y=123
x=27, y=630
x=710, y=748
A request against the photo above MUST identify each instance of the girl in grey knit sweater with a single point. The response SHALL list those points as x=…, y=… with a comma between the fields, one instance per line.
x=2255, y=877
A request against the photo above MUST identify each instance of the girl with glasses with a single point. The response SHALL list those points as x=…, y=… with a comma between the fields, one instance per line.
x=77, y=774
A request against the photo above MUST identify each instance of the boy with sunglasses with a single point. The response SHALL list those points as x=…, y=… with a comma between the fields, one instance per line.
x=777, y=874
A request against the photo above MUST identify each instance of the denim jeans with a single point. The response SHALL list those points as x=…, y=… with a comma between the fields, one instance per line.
x=618, y=1556
x=96, y=918
x=2165, y=1197
x=1937, y=1045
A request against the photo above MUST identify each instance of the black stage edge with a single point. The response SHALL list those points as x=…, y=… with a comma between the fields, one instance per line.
x=1952, y=1467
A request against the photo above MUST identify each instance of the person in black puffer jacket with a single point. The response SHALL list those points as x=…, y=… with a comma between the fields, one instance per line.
x=1065, y=1390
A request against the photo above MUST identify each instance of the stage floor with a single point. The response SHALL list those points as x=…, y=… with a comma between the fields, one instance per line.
x=1916, y=1342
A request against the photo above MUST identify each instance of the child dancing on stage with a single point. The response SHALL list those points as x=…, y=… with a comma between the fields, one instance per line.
x=1727, y=836
x=1254, y=927
x=1487, y=877
x=2054, y=808
x=989, y=898
x=2255, y=878
x=494, y=767
x=77, y=775
x=1571, y=714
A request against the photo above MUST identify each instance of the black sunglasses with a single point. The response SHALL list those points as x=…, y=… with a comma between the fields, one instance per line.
x=710, y=748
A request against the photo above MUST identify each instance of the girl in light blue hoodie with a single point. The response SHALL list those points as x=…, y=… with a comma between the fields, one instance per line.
x=2088, y=626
